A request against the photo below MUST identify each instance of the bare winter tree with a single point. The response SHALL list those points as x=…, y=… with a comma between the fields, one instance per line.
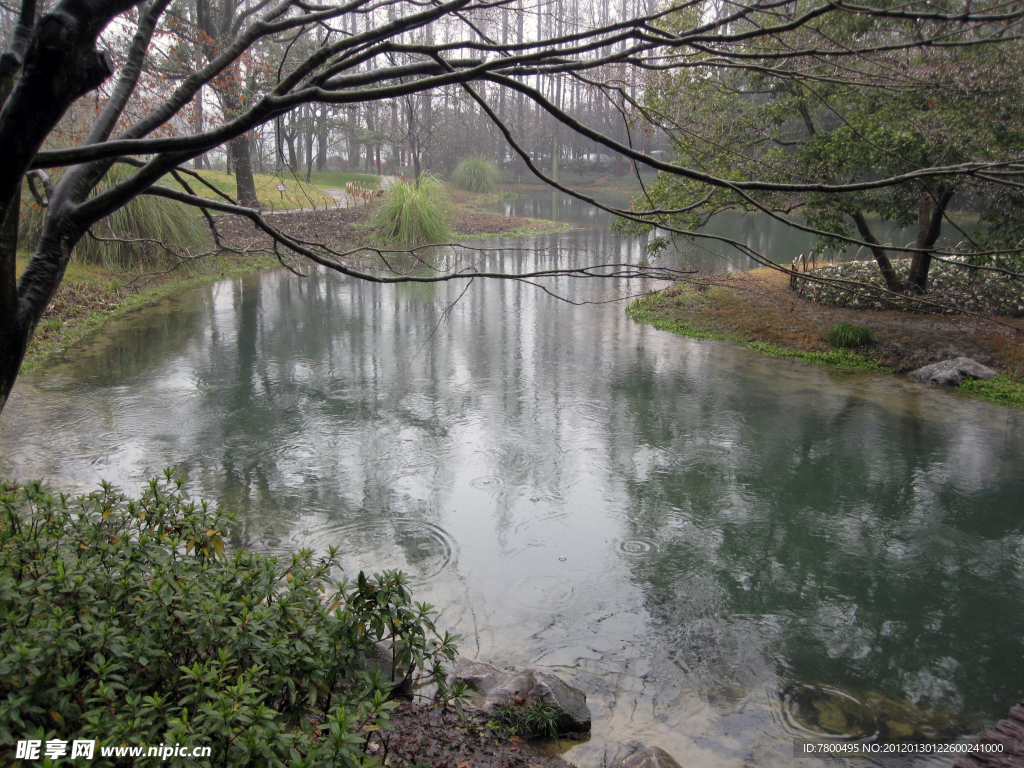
x=371, y=51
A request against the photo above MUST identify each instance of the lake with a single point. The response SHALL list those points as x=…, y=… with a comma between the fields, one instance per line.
x=725, y=551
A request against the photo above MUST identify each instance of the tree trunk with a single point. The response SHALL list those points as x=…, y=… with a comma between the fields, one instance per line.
x=241, y=149
x=892, y=280
x=321, y=141
x=929, y=225
x=198, y=162
x=13, y=342
x=279, y=143
x=293, y=160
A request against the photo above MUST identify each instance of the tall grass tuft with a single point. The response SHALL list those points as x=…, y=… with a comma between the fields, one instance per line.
x=474, y=174
x=148, y=231
x=849, y=336
x=413, y=216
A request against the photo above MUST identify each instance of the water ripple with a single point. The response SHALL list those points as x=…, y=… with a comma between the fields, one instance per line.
x=422, y=550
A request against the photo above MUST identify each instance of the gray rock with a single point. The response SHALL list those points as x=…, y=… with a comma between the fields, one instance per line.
x=479, y=675
x=652, y=757
x=949, y=373
x=494, y=686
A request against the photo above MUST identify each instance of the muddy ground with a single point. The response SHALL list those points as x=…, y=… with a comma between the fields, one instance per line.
x=439, y=738
x=759, y=306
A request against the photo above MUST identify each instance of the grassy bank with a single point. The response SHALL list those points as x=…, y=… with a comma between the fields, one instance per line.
x=296, y=194
x=757, y=309
x=91, y=295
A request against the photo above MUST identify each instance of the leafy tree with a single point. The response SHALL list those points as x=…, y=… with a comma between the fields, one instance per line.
x=838, y=117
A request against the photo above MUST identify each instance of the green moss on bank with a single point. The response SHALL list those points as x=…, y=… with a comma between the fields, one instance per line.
x=536, y=227
x=999, y=390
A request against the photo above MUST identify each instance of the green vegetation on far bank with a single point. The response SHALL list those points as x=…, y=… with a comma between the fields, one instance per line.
x=757, y=310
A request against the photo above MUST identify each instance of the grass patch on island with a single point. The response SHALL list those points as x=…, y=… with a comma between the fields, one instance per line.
x=411, y=215
x=646, y=310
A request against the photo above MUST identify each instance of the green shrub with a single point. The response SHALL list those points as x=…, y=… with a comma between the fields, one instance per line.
x=411, y=215
x=128, y=622
x=138, y=234
x=535, y=721
x=849, y=336
x=474, y=174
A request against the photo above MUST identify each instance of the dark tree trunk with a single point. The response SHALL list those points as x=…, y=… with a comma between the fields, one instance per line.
x=293, y=160
x=241, y=149
x=279, y=143
x=929, y=225
x=198, y=162
x=52, y=62
x=321, y=142
x=892, y=280
x=13, y=341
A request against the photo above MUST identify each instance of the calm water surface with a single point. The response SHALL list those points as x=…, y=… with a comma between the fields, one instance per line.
x=725, y=551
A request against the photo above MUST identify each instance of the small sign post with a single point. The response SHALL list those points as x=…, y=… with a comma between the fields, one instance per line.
x=280, y=188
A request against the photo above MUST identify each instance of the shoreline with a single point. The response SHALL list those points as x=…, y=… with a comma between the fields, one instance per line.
x=91, y=295
x=757, y=309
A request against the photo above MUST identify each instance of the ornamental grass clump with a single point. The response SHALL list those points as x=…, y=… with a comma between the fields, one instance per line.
x=535, y=721
x=849, y=336
x=474, y=174
x=413, y=215
x=148, y=231
x=128, y=622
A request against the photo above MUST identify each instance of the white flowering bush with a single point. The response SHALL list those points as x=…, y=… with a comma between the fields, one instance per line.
x=959, y=287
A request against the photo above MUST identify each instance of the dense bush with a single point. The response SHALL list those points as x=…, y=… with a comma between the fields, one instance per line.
x=128, y=622
x=474, y=174
x=148, y=231
x=412, y=215
x=953, y=283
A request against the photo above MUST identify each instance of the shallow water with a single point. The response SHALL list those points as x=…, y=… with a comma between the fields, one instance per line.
x=725, y=551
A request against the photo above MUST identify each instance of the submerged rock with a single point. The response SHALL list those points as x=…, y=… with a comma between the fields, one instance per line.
x=652, y=757
x=525, y=688
x=949, y=373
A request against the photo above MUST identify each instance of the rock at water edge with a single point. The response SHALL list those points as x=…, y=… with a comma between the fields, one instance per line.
x=652, y=757
x=949, y=373
x=526, y=688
